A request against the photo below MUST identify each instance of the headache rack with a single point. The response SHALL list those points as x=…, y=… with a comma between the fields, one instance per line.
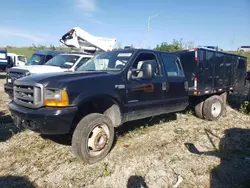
x=28, y=95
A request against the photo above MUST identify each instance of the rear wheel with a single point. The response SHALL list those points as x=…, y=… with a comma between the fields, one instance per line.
x=93, y=138
x=213, y=108
x=224, y=99
x=199, y=110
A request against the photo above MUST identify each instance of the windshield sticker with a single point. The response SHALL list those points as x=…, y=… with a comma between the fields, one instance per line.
x=124, y=54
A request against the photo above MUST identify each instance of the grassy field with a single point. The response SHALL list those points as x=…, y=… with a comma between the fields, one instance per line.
x=28, y=51
x=246, y=54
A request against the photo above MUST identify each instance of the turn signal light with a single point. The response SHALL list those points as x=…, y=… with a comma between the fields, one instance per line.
x=63, y=101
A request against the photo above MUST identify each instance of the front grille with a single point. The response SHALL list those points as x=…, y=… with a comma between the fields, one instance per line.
x=14, y=74
x=28, y=95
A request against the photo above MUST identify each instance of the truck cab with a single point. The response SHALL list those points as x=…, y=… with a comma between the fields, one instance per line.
x=17, y=60
x=108, y=90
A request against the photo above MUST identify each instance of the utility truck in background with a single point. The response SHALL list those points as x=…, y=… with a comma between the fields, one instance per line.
x=125, y=85
x=47, y=61
x=17, y=60
x=80, y=39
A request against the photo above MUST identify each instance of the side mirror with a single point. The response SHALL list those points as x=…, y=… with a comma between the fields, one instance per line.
x=147, y=72
x=129, y=76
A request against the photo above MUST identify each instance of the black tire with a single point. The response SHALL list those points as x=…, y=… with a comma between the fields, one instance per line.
x=83, y=133
x=208, y=112
x=199, y=110
x=224, y=99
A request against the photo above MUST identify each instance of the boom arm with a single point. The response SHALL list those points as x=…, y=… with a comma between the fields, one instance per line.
x=78, y=38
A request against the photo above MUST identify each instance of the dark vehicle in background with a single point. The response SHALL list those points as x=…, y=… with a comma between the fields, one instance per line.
x=120, y=86
x=3, y=60
x=40, y=57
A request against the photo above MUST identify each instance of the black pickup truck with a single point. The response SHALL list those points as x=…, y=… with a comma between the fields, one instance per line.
x=117, y=87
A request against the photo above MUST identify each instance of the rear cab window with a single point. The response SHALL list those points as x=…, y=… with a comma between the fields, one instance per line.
x=172, y=65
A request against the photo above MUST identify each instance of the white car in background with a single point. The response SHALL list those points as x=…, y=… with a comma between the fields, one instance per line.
x=60, y=63
x=244, y=48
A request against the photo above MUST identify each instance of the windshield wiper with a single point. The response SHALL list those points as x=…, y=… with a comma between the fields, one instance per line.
x=87, y=70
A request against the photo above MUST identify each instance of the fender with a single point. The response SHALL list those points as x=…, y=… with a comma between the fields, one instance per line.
x=87, y=96
x=114, y=111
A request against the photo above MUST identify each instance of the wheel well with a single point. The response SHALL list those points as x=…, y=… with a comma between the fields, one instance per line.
x=102, y=105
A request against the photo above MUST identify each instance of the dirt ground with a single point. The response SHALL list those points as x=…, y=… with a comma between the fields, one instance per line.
x=177, y=150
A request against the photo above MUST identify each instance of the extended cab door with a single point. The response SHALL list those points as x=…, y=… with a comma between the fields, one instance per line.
x=175, y=90
x=144, y=97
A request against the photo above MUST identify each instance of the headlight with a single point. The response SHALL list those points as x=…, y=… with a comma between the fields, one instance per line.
x=27, y=73
x=55, y=97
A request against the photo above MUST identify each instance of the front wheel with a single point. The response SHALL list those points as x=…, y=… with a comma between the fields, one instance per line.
x=93, y=138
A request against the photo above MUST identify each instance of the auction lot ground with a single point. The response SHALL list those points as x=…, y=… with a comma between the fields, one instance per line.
x=177, y=150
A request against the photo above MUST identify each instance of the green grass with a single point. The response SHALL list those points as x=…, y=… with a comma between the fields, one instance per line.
x=28, y=51
x=246, y=54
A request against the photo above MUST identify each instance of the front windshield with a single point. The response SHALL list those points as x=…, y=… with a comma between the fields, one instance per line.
x=63, y=61
x=108, y=61
x=35, y=59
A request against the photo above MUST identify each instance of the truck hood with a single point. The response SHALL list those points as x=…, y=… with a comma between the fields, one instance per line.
x=56, y=79
x=39, y=69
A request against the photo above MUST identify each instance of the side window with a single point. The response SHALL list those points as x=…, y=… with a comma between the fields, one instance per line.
x=21, y=58
x=143, y=59
x=81, y=62
x=49, y=57
x=172, y=65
